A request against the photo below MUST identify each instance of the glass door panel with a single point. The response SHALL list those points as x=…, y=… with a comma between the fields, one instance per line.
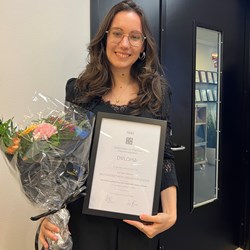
x=206, y=118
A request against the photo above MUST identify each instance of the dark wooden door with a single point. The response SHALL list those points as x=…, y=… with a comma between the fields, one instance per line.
x=218, y=225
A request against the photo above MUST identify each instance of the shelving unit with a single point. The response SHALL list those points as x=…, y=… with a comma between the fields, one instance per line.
x=206, y=86
x=200, y=134
x=206, y=92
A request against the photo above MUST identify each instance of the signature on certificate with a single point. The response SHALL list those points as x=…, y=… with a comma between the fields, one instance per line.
x=109, y=199
x=132, y=203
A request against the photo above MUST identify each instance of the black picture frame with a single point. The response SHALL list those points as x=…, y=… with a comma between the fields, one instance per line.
x=116, y=122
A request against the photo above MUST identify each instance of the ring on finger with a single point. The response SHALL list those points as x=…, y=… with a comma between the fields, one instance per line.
x=142, y=226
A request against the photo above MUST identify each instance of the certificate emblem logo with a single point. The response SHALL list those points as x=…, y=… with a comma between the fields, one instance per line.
x=129, y=140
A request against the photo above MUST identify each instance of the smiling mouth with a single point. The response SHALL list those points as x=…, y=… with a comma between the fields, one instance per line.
x=122, y=55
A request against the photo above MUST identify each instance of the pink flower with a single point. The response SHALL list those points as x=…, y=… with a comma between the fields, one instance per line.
x=44, y=131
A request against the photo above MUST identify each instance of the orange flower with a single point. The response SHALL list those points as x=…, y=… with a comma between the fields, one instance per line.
x=25, y=158
x=16, y=140
x=14, y=147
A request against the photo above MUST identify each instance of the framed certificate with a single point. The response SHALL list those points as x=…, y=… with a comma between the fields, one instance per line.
x=203, y=76
x=125, y=166
x=210, y=77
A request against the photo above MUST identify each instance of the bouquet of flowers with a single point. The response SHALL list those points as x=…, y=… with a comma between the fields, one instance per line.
x=50, y=158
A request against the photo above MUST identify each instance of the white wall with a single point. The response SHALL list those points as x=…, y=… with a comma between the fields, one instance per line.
x=42, y=44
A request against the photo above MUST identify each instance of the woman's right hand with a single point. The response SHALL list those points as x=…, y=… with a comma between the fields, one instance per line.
x=47, y=230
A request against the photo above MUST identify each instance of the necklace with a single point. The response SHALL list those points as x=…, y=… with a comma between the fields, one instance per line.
x=117, y=98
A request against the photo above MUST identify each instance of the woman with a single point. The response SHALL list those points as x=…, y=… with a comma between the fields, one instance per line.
x=123, y=76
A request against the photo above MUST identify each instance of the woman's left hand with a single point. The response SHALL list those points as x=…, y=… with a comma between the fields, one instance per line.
x=153, y=225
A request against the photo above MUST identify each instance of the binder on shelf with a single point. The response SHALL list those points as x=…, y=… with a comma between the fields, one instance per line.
x=197, y=95
x=215, y=77
x=203, y=95
x=203, y=76
x=197, y=76
x=210, y=77
x=210, y=95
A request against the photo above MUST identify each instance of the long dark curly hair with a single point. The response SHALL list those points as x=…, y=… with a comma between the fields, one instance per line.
x=96, y=80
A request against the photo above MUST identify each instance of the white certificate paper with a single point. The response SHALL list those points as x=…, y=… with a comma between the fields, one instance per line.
x=126, y=168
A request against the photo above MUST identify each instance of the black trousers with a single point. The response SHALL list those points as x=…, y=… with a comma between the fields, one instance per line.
x=100, y=233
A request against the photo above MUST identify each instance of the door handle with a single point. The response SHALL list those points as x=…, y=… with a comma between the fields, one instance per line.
x=176, y=147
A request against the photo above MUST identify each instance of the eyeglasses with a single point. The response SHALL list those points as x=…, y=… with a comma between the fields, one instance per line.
x=136, y=38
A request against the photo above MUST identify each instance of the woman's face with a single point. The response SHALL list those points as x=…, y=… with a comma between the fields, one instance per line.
x=121, y=54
